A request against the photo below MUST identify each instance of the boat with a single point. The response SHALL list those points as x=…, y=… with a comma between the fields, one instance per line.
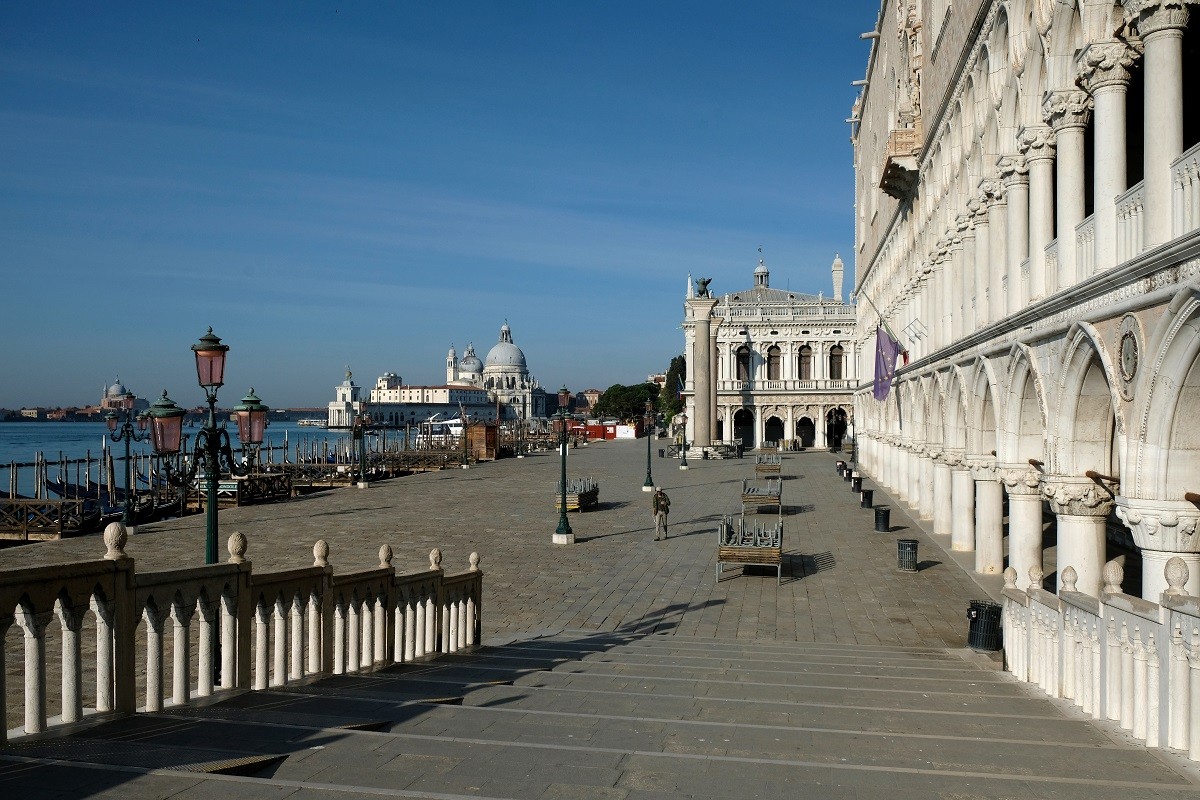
x=439, y=432
x=312, y=422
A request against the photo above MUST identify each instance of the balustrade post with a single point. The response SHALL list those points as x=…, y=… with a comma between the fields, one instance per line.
x=5, y=623
x=368, y=632
x=353, y=633
x=410, y=624
x=104, y=612
x=1113, y=673
x=315, y=647
x=262, y=617
x=1153, y=721
x=329, y=614
x=207, y=639
x=233, y=635
x=296, y=638
x=155, y=620
x=279, y=633
x=1139, y=687
x=380, y=616
x=1127, y=693
x=34, y=627
x=1177, y=729
x=71, y=620
x=451, y=624
x=1194, y=723
x=181, y=618
x=431, y=612
x=1097, y=674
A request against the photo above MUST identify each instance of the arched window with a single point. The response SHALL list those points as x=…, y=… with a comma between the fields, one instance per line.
x=743, y=363
x=835, y=362
x=806, y=363
x=773, y=354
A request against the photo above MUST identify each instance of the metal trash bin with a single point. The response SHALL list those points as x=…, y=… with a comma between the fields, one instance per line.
x=841, y=466
x=906, y=555
x=984, y=633
x=856, y=484
x=883, y=519
x=867, y=495
x=662, y=452
x=847, y=474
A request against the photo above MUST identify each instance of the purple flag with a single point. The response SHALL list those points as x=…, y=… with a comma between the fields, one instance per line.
x=886, y=350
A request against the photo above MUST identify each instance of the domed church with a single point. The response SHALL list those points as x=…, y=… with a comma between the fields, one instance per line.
x=503, y=373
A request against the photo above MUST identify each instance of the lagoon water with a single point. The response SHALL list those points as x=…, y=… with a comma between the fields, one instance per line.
x=21, y=441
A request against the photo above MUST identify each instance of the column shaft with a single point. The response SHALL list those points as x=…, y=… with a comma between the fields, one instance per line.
x=942, y=499
x=989, y=527
x=1024, y=535
x=962, y=528
x=1163, y=67
x=1081, y=545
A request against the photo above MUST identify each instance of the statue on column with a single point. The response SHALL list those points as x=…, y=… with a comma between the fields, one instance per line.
x=702, y=287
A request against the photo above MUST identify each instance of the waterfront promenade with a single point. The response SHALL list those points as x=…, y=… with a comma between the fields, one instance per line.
x=618, y=669
x=840, y=583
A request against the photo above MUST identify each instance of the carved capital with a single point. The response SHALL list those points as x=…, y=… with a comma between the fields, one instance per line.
x=1105, y=64
x=954, y=459
x=965, y=224
x=1153, y=16
x=1067, y=109
x=985, y=471
x=1036, y=143
x=1013, y=170
x=1167, y=525
x=1078, y=497
x=936, y=453
x=1021, y=479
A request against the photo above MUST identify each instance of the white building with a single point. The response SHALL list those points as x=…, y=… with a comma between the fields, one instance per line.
x=782, y=364
x=500, y=387
x=1028, y=196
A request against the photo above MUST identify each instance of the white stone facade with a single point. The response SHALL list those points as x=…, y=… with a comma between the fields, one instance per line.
x=1028, y=219
x=768, y=364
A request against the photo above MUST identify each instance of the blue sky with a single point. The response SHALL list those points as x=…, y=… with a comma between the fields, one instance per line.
x=333, y=183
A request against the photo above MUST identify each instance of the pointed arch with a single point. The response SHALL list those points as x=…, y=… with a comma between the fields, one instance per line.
x=1090, y=430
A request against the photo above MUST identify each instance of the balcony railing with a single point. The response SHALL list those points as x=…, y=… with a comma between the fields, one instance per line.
x=1085, y=248
x=1051, y=271
x=1185, y=177
x=790, y=385
x=1131, y=213
x=781, y=313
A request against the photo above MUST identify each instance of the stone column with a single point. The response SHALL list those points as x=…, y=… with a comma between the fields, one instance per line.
x=943, y=510
x=989, y=519
x=206, y=644
x=914, y=475
x=71, y=620
x=983, y=251
x=105, y=689
x=181, y=624
x=34, y=627
x=713, y=329
x=962, y=492
x=1082, y=506
x=155, y=620
x=5, y=623
x=1160, y=24
x=1163, y=529
x=1037, y=145
x=966, y=264
x=954, y=309
x=1015, y=175
x=1068, y=113
x=703, y=382
x=1105, y=73
x=1024, y=520
x=925, y=506
x=998, y=255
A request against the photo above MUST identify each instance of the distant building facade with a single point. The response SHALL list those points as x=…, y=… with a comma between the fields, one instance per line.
x=116, y=397
x=500, y=387
x=766, y=364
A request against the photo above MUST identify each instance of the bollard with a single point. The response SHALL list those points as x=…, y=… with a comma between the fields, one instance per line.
x=856, y=484
x=883, y=519
x=865, y=502
x=906, y=554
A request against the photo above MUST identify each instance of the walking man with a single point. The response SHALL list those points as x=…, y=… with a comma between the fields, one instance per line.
x=662, y=507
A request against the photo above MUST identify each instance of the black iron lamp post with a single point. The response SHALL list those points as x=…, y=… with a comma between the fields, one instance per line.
x=564, y=534
x=683, y=458
x=123, y=429
x=648, y=486
x=359, y=435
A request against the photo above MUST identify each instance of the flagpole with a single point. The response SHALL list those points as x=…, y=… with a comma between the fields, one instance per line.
x=882, y=321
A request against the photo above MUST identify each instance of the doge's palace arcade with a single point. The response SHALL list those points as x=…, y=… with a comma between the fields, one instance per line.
x=1028, y=216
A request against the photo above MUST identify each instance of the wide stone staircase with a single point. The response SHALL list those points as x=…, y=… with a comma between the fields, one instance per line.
x=575, y=714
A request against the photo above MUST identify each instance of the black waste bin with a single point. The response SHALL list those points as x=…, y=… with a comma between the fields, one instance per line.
x=906, y=555
x=865, y=502
x=662, y=452
x=841, y=466
x=856, y=484
x=984, y=633
x=883, y=519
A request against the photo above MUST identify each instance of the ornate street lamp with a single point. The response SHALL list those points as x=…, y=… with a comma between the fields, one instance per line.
x=648, y=486
x=564, y=534
x=251, y=416
x=683, y=457
x=166, y=433
x=123, y=429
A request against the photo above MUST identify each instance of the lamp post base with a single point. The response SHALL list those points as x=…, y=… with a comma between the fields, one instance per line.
x=363, y=485
x=647, y=488
x=563, y=538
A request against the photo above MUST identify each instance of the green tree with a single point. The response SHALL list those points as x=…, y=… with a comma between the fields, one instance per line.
x=669, y=402
x=626, y=402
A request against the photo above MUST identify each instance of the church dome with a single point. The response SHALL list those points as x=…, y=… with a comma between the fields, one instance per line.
x=116, y=390
x=505, y=353
x=470, y=362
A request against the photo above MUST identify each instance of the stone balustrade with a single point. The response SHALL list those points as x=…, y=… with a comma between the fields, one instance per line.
x=1185, y=178
x=252, y=630
x=1116, y=657
x=1085, y=248
x=1131, y=225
